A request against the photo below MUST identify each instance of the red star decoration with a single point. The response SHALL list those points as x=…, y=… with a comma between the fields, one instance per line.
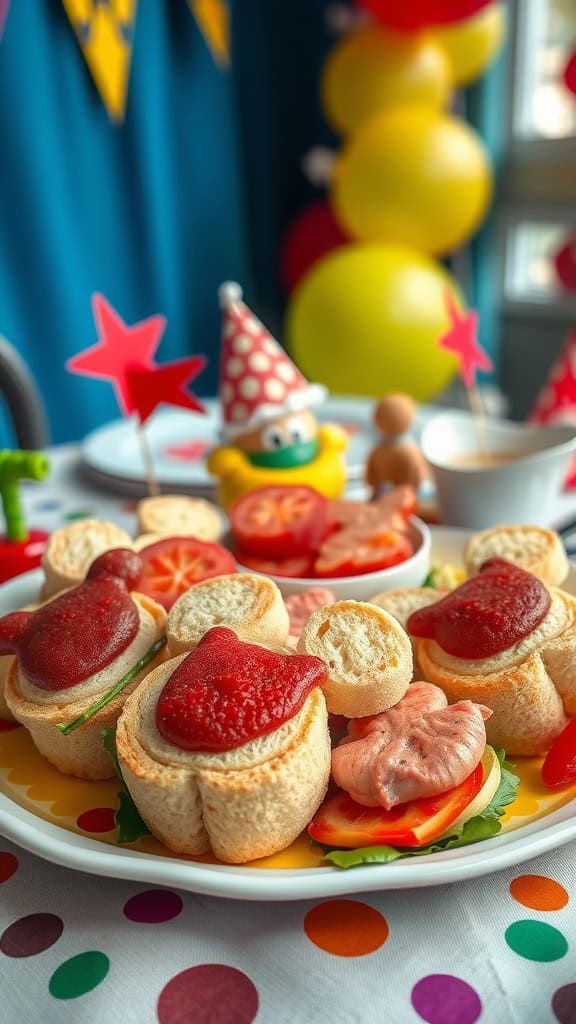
x=151, y=385
x=557, y=400
x=462, y=341
x=117, y=347
x=124, y=355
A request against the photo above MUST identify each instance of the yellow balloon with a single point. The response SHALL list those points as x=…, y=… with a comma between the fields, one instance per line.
x=414, y=177
x=372, y=69
x=366, y=319
x=472, y=44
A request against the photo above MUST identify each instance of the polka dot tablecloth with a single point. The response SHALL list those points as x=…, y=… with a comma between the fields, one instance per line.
x=75, y=947
x=80, y=948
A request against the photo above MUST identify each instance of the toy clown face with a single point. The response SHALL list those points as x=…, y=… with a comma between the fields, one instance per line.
x=286, y=441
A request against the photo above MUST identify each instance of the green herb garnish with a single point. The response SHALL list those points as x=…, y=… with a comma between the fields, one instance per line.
x=482, y=826
x=127, y=818
x=67, y=728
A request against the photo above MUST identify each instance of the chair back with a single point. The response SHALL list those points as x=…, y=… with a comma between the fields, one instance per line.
x=20, y=393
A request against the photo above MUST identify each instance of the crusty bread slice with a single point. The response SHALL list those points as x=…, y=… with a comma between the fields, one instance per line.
x=402, y=601
x=244, y=803
x=72, y=549
x=533, y=548
x=82, y=752
x=251, y=605
x=530, y=687
x=5, y=666
x=367, y=654
x=177, y=515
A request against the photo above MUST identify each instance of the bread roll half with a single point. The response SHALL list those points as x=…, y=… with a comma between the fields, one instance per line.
x=82, y=752
x=533, y=548
x=367, y=654
x=249, y=604
x=245, y=803
x=177, y=515
x=72, y=549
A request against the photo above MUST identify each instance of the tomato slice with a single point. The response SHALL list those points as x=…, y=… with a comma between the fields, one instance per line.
x=559, y=767
x=298, y=567
x=172, y=565
x=279, y=522
x=353, y=551
x=341, y=821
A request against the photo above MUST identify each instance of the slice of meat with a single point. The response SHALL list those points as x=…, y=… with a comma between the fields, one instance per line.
x=420, y=747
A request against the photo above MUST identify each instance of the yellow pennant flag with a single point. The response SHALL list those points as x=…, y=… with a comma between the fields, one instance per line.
x=105, y=30
x=213, y=20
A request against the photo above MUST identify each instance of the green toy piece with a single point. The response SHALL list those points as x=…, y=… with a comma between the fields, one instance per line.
x=16, y=465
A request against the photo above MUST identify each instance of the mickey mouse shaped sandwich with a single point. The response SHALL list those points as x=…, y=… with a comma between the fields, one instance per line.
x=227, y=748
x=504, y=639
x=77, y=658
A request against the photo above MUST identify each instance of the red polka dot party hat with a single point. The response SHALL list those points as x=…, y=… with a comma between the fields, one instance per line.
x=259, y=383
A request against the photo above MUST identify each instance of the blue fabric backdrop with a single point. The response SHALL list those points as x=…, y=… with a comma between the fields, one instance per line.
x=150, y=213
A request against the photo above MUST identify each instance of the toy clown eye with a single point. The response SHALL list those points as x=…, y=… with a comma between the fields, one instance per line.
x=273, y=437
x=299, y=430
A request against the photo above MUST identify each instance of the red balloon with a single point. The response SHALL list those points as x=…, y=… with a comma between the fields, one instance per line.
x=412, y=15
x=565, y=263
x=314, y=233
x=570, y=73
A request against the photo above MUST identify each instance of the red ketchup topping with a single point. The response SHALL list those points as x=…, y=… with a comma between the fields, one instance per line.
x=80, y=632
x=227, y=692
x=485, y=615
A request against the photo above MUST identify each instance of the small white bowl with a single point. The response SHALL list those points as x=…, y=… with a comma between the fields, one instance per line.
x=523, y=489
x=410, y=573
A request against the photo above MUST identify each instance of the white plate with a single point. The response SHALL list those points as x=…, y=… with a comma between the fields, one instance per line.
x=82, y=853
x=179, y=442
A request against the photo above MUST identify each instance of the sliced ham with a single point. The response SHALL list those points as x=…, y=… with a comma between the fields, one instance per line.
x=420, y=747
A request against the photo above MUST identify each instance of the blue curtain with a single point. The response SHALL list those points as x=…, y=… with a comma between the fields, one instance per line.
x=149, y=212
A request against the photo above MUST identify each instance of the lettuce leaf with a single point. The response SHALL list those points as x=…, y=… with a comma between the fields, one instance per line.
x=482, y=826
x=127, y=818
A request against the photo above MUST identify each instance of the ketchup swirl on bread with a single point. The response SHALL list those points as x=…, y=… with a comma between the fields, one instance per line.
x=81, y=632
x=227, y=692
x=485, y=615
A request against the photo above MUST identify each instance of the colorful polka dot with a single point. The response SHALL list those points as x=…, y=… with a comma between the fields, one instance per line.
x=98, y=819
x=153, y=906
x=241, y=343
x=8, y=865
x=445, y=999
x=79, y=975
x=346, y=927
x=535, y=940
x=235, y=366
x=286, y=371
x=248, y=387
x=538, y=892
x=259, y=361
x=564, y=1004
x=208, y=994
x=31, y=935
x=274, y=389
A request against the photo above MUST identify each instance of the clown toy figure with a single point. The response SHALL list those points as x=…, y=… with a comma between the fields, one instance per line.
x=271, y=432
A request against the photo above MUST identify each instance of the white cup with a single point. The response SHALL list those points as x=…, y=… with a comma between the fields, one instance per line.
x=522, y=488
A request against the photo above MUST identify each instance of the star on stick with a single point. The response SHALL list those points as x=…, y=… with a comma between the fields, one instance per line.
x=461, y=339
x=149, y=386
x=118, y=347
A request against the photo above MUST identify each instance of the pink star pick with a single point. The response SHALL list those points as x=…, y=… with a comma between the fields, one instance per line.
x=462, y=341
x=118, y=347
x=124, y=355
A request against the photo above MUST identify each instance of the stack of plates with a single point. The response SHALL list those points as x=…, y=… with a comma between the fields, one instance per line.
x=179, y=442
